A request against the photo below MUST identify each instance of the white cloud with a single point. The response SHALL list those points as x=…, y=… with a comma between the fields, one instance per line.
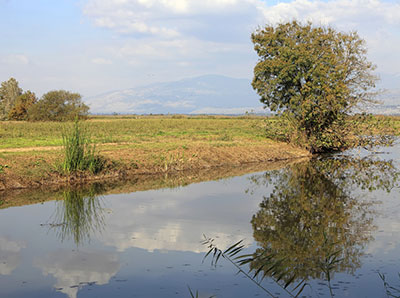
x=341, y=13
x=198, y=30
x=167, y=18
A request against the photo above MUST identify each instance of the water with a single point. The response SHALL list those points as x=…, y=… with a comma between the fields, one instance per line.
x=332, y=223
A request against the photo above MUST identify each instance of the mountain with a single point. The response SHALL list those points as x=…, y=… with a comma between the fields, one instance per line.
x=390, y=103
x=209, y=94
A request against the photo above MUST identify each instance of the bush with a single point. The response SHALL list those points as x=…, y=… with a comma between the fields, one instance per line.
x=80, y=152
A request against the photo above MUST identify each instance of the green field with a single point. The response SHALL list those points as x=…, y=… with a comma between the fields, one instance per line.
x=136, y=130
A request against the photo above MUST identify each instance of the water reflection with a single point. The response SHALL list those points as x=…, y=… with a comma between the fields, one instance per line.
x=317, y=221
x=79, y=215
x=74, y=270
x=10, y=254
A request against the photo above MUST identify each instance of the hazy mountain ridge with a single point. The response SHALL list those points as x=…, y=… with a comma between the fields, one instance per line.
x=209, y=94
x=204, y=94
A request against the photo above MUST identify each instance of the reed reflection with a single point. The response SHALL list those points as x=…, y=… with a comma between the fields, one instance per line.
x=317, y=220
x=79, y=215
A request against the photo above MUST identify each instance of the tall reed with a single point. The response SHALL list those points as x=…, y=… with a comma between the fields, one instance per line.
x=80, y=152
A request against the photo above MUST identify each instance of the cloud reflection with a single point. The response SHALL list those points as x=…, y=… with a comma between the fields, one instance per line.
x=76, y=269
x=164, y=220
x=9, y=255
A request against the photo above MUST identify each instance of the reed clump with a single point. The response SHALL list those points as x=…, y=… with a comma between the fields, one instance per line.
x=79, y=151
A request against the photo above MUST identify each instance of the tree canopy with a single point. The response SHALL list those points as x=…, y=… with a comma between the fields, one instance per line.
x=58, y=105
x=315, y=77
x=21, y=106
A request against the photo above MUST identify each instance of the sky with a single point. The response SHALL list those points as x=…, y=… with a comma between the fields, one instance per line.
x=96, y=46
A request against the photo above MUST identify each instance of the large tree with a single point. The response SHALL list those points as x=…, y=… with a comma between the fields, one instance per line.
x=315, y=77
x=9, y=91
x=59, y=105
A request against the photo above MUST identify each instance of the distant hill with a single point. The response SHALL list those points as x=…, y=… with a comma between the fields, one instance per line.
x=390, y=103
x=209, y=94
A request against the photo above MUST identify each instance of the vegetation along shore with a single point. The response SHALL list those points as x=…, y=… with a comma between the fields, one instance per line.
x=32, y=153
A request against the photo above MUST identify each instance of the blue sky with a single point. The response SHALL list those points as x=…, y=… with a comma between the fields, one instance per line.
x=94, y=46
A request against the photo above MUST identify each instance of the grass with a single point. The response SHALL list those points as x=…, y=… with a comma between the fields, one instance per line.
x=146, y=129
x=152, y=144
x=118, y=130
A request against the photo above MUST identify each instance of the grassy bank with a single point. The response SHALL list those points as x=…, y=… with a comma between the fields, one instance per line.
x=31, y=153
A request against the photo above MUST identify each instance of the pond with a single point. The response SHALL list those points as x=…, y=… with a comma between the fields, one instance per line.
x=320, y=228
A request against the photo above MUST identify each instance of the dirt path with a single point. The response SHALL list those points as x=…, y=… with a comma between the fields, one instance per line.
x=50, y=148
x=28, y=149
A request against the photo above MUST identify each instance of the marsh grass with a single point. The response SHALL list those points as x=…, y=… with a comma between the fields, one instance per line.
x=79, y=151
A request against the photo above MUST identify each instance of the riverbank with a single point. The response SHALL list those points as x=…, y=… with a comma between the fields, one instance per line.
x=138, y=182
x=31, y=153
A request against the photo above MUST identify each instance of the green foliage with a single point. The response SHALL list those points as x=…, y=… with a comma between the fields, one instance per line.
x=80, y=153
x=58, y=105
x=316, y=77
x=9, y=91
x=22, y=103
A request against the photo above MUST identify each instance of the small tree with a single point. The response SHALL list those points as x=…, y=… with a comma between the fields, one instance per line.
x=58, y=105
x=22, y=105
x=315, y=77
x=9, y=91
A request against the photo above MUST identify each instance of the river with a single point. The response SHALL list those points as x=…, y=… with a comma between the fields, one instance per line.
x=326, y=227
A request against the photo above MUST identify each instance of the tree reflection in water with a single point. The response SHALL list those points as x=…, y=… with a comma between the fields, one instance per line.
x=79, y=215
x=316, y=221
x=313, y=223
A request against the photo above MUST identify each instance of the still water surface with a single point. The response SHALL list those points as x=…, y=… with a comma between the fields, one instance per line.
x=332, y=224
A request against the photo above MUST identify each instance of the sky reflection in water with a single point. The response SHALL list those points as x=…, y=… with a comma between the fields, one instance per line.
x=332, y=222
